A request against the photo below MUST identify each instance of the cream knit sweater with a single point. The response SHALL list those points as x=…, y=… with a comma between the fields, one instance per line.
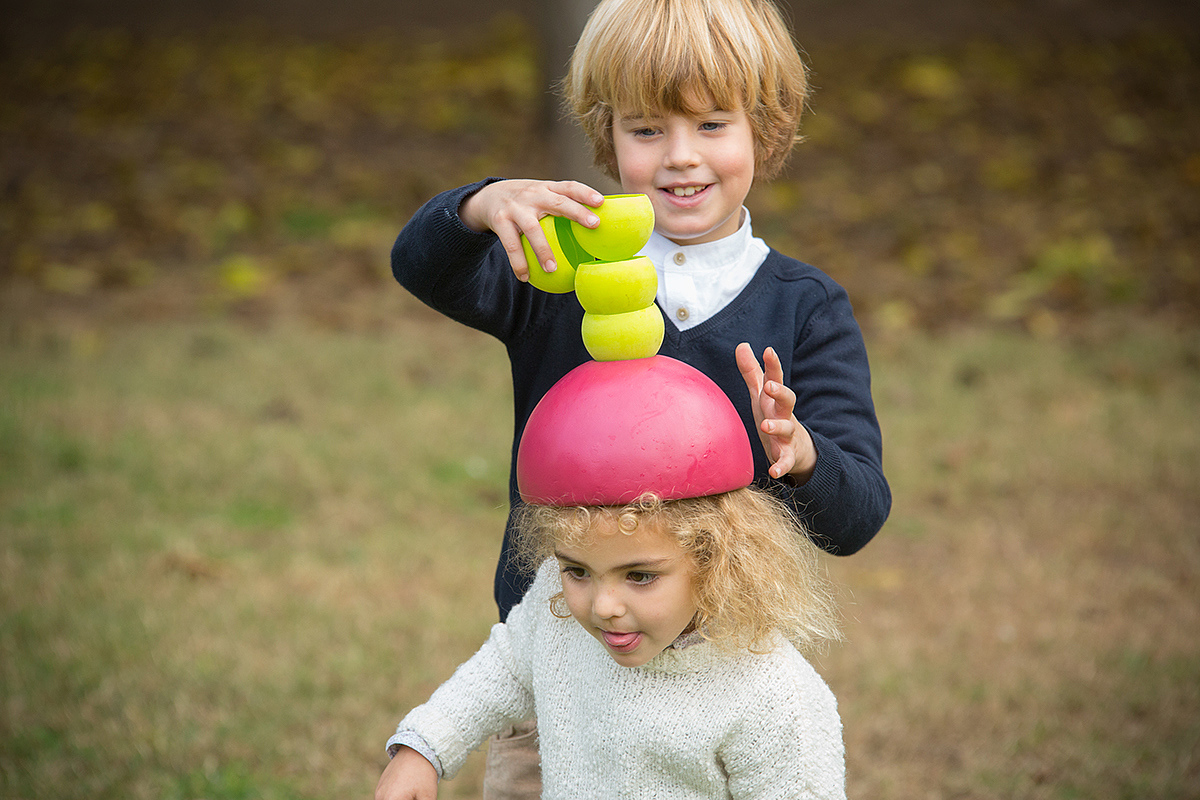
x=692, y=723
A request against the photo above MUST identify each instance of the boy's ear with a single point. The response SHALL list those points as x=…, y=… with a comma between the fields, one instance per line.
x=764, y=157
x=770, y=160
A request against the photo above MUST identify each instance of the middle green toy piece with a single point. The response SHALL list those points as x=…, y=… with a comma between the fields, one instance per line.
x=615, y=286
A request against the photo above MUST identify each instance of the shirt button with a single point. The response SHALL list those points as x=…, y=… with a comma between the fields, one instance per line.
x=680, y=258
x=681, y=312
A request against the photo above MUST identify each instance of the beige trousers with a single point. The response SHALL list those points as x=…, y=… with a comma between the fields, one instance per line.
x=513, y=770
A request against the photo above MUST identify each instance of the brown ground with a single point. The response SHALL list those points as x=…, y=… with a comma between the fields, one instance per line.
x=816, y=19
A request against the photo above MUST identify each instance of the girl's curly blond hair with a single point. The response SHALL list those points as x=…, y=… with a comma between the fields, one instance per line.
x=649, y=57
x=757, y=575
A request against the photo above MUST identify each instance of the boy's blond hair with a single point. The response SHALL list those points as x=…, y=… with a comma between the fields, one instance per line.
x=650, y=57
x=757, y=575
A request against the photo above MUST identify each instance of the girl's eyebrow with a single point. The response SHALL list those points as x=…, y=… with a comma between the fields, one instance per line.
x=651, y=565
x=648, y=566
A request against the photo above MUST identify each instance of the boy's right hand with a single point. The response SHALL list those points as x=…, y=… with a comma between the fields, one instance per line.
x=788, y=444
x=409, y=776
x=514, y=207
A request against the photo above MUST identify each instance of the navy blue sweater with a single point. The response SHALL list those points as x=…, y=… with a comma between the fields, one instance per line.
x=788, y=305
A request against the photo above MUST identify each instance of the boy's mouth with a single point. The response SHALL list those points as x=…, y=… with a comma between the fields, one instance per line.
x=685, y=191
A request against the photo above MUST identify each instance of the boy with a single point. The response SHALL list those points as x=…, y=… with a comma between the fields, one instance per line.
x=687, y=101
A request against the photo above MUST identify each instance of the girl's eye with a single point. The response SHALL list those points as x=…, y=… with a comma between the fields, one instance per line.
x=642, y=578
x=576, y=573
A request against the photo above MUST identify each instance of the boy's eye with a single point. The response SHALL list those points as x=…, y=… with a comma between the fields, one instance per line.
x=710, y=127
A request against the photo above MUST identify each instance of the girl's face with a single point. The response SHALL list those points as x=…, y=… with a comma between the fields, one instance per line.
x=632, y=592
x=697, y=170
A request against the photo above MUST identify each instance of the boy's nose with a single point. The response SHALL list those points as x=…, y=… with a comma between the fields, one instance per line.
x=681, y=153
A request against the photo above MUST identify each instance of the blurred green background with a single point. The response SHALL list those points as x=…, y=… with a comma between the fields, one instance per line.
x=251, y=492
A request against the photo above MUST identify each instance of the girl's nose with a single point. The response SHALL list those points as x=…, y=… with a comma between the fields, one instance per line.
x=607, y=604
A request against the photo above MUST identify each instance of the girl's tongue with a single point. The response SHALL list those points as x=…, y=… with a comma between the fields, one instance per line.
x=622, y=642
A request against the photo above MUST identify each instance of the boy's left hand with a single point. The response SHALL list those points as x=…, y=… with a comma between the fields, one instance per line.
x=789, y=446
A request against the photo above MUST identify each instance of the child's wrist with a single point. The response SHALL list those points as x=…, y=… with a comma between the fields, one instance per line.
x=468, y=213
x=805, y=463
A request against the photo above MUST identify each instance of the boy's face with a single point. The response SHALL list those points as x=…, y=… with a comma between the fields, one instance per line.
x=632, y=592
x=696, y=168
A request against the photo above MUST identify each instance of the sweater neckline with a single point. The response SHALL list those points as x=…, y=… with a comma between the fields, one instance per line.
x=764, y=273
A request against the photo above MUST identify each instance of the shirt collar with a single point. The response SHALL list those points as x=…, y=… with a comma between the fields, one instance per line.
x=719, y=254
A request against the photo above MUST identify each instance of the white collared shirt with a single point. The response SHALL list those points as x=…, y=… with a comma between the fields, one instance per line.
x=696, y=281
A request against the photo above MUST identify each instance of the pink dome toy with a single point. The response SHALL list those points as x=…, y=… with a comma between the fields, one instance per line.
x=610, y=431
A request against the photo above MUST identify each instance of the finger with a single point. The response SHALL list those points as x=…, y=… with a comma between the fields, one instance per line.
x=579, y=211
x=748, y=365
x=581, y=214
x=773, y=367
x=574, y=200
x=511, y=241
x=779, y=428
x=782, y=394
x=540, y=246
x=580, y=192
x=784, y=465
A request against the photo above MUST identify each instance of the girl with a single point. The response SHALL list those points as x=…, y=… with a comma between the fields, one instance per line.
x=659, y=648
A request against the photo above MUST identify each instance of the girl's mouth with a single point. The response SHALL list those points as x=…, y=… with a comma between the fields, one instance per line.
x=622, y=642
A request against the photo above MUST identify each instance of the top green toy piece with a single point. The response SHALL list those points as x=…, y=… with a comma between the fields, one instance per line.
x=615, y=286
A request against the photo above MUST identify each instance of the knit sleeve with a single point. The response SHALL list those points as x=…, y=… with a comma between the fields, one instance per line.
x=491, y=691
x=847, y=499
x=481, y=698
x=791, y=748
x=462, y=273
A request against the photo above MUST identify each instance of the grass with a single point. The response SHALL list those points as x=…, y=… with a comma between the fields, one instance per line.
x=250, y=494
x=231, y=556
x=1024, y=626
x=225, y=553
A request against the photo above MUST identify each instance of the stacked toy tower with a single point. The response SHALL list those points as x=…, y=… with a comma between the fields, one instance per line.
x=630, y=422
